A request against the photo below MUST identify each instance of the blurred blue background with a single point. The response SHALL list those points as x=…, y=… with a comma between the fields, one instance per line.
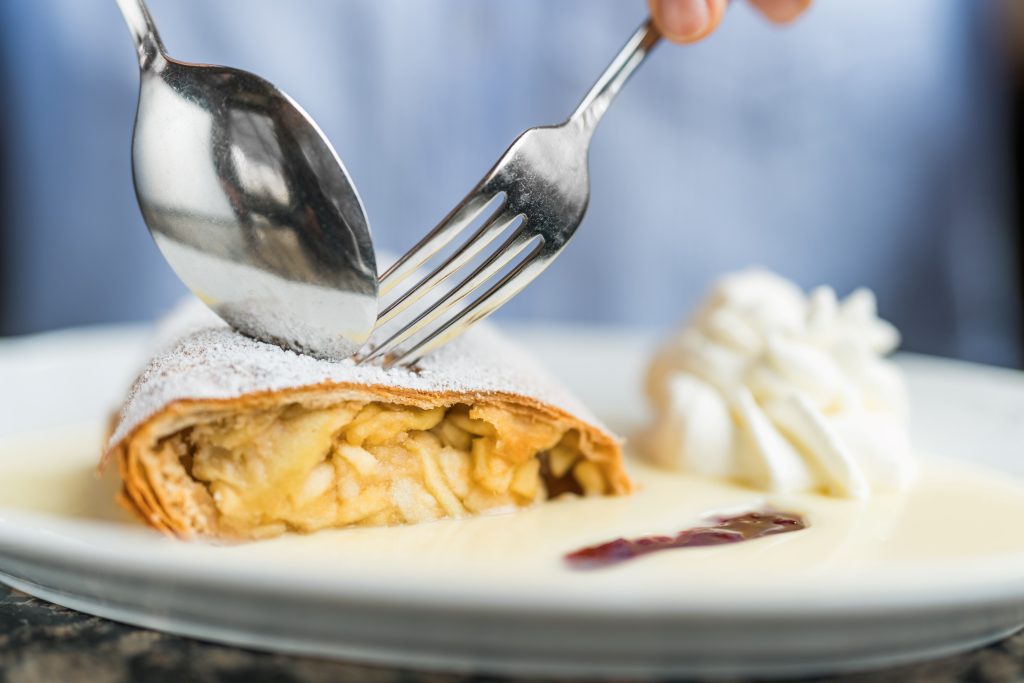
x=871, y=143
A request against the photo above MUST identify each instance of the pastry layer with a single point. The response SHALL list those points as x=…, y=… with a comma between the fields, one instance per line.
x=309, y=463
x=223, y=436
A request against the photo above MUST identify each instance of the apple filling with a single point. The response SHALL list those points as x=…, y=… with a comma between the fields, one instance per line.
x=376, y=464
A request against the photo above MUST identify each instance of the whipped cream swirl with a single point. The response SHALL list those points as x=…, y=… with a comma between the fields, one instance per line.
x=784, y=391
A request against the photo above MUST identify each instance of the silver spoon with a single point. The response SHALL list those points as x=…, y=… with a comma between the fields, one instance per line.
x=249, y=203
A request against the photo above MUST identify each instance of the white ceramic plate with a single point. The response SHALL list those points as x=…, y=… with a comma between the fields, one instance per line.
x=890, y=581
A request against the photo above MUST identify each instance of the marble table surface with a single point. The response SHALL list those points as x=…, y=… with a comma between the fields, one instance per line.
x=43, y=643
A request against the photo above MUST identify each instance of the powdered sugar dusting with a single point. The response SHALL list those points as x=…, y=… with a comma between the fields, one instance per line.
x=199, y=357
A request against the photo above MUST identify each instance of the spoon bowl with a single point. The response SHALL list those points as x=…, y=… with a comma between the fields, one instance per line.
x=249, y=203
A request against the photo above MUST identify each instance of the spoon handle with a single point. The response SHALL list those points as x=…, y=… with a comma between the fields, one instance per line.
x=144, y=33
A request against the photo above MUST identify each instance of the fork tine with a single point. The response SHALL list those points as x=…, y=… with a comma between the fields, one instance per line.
x=451, y=225
x=504, y=289
x=487, y=233
x=495, y=262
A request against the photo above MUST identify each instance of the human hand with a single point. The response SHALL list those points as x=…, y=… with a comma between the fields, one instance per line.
x=687, y=21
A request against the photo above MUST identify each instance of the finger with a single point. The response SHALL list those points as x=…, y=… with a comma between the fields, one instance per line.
x=687, y=21
x=781, y=11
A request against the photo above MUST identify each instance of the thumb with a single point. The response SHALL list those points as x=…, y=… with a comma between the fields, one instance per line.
x=686, y=21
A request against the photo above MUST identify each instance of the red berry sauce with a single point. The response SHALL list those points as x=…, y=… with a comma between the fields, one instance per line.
x=734, y=529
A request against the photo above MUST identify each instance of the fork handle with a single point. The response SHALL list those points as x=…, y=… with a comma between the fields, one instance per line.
x=632, y=55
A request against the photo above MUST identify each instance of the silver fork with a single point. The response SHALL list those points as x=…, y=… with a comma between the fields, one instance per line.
x=541, y=183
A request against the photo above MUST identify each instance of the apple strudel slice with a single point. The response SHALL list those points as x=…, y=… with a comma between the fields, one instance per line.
x=222, y=436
